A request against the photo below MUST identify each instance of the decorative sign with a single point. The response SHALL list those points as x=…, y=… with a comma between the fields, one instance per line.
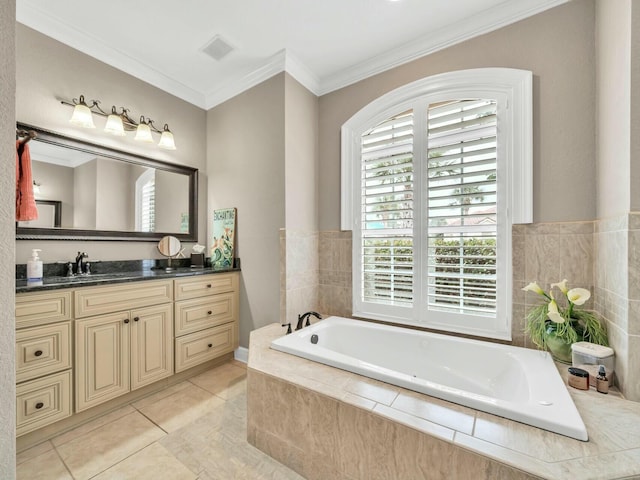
x=224, y=229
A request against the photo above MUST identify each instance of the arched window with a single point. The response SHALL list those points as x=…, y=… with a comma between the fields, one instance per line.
x=146, y=201
x=434, y=174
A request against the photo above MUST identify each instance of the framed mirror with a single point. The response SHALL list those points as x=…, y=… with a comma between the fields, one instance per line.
x=101, y=193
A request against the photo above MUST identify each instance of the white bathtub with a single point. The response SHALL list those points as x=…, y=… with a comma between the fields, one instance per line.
x=517, y=383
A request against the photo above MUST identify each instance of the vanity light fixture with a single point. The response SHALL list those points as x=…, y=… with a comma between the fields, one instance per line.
x=119, y=123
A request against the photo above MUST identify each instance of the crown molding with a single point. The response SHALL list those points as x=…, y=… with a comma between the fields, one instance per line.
x=499, y=16
x=283, y=61
x=487, y=21
x=54, y=27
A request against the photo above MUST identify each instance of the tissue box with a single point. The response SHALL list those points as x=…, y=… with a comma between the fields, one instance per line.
x=588, y=356
x=197, y=260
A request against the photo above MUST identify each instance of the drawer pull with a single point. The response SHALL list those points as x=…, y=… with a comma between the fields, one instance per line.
x=209, y=312
x=210, y=345
x=135, y=319
x=126, y=320
x=37, y=353
x=209, y=286
x=39, y=405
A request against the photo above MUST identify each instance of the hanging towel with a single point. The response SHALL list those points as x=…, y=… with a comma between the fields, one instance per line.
x=25, y=202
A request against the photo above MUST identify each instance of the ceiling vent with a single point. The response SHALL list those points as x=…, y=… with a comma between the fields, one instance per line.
x=217, y=48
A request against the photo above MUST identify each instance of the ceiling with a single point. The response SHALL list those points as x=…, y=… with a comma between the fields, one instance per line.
x=324, y=44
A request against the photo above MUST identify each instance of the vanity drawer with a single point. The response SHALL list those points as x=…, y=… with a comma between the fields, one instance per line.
x=42, y=350
x=199, y=347
x=43, y=401
x=199, y=313
x=125, y=296
x=41, y=308
x=194, y=287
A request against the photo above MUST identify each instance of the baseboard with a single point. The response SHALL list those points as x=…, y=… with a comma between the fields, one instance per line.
x=241, y=354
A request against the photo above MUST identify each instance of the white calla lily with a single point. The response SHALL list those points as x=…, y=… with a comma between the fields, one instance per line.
x=578, y=296
x=534, y=287
x=562, y=286
x=553, y=313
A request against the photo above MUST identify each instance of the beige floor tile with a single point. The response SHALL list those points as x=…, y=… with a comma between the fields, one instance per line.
x=153, y=398
x=99, y=449
x=33, y=452
x=181, y=408
x=46, y=466
x=92, y=425
x=151, y=463
x=226, y=381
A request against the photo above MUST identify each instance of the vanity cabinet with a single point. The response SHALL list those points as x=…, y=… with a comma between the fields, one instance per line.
x=43, y=359
x=82, y=346
x=206, y=318
x=124, y=350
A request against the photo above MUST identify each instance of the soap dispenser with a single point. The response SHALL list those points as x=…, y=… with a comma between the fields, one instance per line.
x=34, y=267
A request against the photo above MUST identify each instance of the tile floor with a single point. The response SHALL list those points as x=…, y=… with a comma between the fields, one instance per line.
x=195, y=430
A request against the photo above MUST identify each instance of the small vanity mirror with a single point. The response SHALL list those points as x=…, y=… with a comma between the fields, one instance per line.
x=169, y=246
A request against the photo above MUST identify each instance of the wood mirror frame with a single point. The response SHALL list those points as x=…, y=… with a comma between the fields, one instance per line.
x=38, y=233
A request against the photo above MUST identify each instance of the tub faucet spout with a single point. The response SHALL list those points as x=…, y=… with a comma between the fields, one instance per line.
x=301, y=319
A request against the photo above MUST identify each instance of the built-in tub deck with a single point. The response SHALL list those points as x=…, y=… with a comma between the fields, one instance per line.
x=318, y=420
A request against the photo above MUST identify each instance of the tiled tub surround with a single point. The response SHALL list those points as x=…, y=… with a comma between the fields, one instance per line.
x=298, y=274
x=617, y=282
x=327, y=423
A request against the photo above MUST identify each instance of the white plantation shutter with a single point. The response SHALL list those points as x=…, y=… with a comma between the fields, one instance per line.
x=433, y=176
x=387, y=212
x=146, y=201
x=148, y=206
x=462, y=207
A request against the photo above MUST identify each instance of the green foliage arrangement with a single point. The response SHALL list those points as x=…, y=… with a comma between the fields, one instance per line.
x=550, y=320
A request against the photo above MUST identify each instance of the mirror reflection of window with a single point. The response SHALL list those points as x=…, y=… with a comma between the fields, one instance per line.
x=146, y=201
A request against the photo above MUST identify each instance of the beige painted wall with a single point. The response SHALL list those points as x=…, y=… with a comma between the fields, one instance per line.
x=47, y=71
x=301, y=156
x=557, y=46
x=613, y=94
x=246, y=169
x=7, y=240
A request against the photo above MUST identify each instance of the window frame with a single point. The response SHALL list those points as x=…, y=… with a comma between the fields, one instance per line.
x=513, y=90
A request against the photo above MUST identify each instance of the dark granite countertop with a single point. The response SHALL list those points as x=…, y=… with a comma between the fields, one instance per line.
x=109, y=273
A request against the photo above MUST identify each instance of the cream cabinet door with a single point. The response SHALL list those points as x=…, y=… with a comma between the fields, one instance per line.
x=151, y=345
x=102, y=359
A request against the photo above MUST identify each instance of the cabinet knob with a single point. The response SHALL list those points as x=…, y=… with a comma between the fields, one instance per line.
x=126, y=320
x=37, y=353
x=209, y=312
x=39, y=405
x=135, y=319
x=210, y=345
x=209, y=286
